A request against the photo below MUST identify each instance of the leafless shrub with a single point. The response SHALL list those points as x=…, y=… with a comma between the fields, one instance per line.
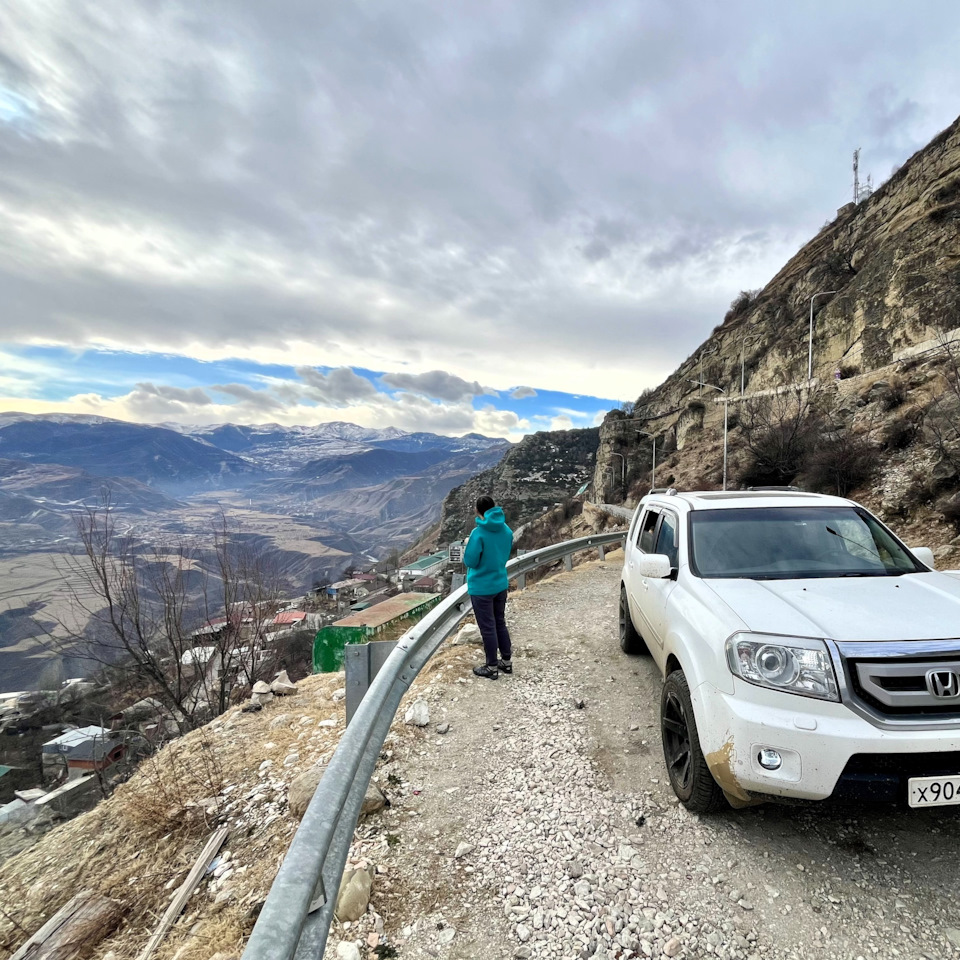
x=950, y=509
x=895, y=396
x=177, y=788
x=178, y=621
x=775, y=432
x=839, y=462
x=900, y=433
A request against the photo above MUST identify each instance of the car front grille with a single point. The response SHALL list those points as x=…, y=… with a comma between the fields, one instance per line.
x=908, y=687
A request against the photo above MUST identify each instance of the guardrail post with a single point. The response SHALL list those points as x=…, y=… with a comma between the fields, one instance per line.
x=361, y=663
x=568, y=562
x=602, y=551
x=521, y=581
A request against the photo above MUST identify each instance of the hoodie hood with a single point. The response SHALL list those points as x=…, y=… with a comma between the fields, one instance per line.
x=493, y=519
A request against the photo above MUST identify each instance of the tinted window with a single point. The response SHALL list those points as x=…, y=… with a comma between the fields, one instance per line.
x=645, y=540
x=783, y=543
x=667, y=539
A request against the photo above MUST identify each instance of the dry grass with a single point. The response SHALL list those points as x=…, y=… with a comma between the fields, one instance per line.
x=134, y=845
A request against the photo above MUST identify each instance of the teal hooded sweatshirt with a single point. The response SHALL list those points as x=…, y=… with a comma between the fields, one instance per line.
x=486, y=553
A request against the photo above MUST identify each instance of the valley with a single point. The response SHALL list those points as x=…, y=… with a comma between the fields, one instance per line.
x=315, y=500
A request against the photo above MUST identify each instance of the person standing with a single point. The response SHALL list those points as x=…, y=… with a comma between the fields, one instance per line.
x=485, y=557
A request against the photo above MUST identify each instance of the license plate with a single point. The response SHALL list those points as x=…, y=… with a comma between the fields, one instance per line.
x=933, y=791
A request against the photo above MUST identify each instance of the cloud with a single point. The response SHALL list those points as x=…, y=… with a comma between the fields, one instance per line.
x=520, y=393
x=191, y=395
x=252, y=399
x=339, y=387
x=436, y=384
x=509, y=195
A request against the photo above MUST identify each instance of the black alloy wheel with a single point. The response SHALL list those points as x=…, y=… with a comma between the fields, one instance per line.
x=676, y=743
x=689, y=774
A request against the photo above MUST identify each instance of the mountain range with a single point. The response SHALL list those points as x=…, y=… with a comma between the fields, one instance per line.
x=318, y=499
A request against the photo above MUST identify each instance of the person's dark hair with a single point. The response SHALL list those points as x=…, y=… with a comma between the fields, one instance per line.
x=484, y=504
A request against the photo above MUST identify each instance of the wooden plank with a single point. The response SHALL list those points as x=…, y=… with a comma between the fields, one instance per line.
x=183, y=894
x=74, y=930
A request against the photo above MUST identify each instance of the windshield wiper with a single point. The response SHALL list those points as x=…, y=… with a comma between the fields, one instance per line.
x=859, y=546
x=871, y=573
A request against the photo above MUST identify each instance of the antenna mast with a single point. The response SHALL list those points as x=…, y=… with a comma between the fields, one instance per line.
x=856, y=175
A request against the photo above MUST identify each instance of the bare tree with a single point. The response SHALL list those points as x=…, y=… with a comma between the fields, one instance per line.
x=180, y=622
x=775, y=431
x=942, y=418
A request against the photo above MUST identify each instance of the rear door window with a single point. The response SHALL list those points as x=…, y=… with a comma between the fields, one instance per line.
x=645, y=540
x=667, y=539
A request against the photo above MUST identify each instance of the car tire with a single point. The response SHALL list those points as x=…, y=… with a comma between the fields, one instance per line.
x=630, y=640
x=687, y=768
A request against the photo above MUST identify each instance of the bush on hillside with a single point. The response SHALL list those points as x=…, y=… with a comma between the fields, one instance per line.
x=839, y=463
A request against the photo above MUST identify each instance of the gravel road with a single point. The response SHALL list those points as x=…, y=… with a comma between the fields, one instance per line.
x=537, y=827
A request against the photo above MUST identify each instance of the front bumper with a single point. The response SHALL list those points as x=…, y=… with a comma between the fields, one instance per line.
x=826, y=749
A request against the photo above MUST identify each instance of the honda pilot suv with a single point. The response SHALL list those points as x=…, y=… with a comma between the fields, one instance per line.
x=806, y=652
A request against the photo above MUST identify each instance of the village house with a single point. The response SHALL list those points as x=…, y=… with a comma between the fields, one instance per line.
x=428, y=566
x=82, y=751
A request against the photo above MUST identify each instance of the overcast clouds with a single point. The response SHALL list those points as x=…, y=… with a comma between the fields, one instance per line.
x=466, y=198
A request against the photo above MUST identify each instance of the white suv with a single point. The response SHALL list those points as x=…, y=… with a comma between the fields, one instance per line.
x=806, y=652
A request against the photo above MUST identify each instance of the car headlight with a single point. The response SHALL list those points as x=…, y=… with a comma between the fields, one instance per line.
x=792, y=664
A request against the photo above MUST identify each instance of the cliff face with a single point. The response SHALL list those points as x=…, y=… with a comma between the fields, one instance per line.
x=543, y=469
x=892, y=263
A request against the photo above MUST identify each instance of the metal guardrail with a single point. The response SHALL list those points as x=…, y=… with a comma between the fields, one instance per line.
x=296, y=917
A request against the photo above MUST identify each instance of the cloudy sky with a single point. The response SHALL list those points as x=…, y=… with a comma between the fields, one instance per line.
x=496, y=216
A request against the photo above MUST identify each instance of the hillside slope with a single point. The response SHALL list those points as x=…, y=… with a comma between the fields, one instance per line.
x=542, y=469
x=885, y=375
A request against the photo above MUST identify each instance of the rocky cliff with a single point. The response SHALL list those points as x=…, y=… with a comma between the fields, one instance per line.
x=543, y=469
x=885, y=360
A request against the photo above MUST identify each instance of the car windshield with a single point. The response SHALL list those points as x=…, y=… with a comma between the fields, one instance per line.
x=787, y=543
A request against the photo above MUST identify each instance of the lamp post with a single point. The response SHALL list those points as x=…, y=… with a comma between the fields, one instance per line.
x=705, y=353
x=743, y=343
x=819, y=293
x=726, y=404
x=623, y=465
x=653, y=465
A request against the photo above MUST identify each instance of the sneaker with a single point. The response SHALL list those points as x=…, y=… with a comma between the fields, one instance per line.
x=505, y=666
x=487, y=672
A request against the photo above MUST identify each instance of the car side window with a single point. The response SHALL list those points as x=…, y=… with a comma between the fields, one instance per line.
x=667, y=539
x=645, y=540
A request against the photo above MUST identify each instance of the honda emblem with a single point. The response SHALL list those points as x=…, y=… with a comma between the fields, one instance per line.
x=943, y=684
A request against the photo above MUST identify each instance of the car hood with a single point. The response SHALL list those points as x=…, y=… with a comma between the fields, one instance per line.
x=923, y=606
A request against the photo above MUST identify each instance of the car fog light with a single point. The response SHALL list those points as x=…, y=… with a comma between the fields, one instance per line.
x=769, y=759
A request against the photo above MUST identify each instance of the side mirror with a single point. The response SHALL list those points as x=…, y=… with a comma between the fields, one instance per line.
x=924, y=555
x=656, y=566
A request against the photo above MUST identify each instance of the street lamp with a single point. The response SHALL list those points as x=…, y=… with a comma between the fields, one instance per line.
x=705, y=353
x=748, y=338
x=653, y=465
x=726, y=404
x=623, y=465
x=819, y=293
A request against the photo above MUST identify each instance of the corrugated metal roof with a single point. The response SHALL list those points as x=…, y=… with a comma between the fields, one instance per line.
x=382, y=613
x=426, y=562
x=289, y=616
x=69, y=741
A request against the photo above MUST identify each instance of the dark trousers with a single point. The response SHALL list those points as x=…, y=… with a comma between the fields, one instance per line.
x=493, y=627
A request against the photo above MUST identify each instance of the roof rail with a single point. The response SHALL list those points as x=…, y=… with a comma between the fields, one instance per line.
x=666, y=491
x=776, y=489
